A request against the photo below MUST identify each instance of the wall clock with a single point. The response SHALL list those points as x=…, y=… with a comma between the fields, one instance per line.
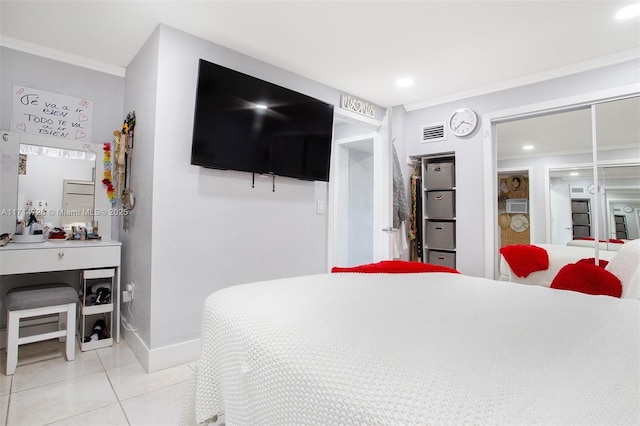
x=591, y=188
x=463, y=121
x=628, y=209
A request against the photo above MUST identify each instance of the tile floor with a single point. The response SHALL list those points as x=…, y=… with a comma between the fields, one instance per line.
x=103, y=387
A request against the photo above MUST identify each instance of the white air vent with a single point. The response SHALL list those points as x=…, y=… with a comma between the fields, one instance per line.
x=578, y=190
x=433, y=133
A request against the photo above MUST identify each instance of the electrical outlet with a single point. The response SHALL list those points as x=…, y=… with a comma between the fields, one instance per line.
x=127, y=293
x=130, y=288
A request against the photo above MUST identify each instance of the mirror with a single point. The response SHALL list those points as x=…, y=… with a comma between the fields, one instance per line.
x=561, y=162
x=58, y=183
x=49, y=163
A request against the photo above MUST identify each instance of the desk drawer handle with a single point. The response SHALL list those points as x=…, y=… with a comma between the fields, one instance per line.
x=60, y=254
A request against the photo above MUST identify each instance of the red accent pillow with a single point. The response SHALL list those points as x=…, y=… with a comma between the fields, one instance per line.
x=587, y=278
x=395, y=267
x=523, y=259
x=592, y=260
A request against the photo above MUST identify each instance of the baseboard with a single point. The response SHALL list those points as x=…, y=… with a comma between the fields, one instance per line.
x=161, y=358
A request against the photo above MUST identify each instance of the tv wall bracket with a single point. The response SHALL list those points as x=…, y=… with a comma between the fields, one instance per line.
x=273, y=180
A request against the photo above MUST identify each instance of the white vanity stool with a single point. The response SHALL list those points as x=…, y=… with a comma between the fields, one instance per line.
x=36, y=300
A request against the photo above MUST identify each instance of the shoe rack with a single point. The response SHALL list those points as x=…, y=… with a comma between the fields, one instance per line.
x=96, y=309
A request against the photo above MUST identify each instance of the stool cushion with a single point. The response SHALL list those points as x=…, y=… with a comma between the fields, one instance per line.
x=38, y=296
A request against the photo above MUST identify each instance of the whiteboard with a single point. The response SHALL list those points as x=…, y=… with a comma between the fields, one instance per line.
x=43, y=113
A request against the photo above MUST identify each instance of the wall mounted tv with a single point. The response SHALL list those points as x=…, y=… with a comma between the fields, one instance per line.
x=247, y=124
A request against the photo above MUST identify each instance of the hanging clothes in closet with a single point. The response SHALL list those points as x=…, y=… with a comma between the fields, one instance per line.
x=400, y=208
x=415, y=223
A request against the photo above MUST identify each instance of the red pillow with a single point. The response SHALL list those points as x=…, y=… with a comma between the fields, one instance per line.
x=395, y=267
x=592, y=260
x=587, y=278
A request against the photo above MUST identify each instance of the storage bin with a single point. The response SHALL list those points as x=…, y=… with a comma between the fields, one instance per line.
x=580, y=206
x=441, y=204
x=581, y=231
x=581, y=219
x=443, y=258
x=441, y=234
x=439, y=176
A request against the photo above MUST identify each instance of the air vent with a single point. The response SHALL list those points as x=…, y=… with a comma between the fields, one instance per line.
x=433, y=133
x=578, y=190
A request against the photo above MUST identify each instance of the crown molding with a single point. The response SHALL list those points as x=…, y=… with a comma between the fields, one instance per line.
x=61, y=56
x=599, y=62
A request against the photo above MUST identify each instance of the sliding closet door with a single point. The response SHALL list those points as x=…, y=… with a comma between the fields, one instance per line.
x=618, y=186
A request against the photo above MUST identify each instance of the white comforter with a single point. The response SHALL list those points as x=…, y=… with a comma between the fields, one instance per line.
x=430, y=348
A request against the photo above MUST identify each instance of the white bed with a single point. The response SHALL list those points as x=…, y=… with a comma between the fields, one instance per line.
x=430, y=348
x=609, y=246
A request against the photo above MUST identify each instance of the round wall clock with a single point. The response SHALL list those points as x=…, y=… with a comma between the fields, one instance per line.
x=463, y=121
x=628, y=209
x=591, y=188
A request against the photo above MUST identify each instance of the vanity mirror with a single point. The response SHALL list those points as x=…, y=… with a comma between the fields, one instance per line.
x=58, y=183
x=59, y=178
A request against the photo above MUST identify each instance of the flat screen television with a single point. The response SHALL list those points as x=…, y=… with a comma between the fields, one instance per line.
x=248, y=124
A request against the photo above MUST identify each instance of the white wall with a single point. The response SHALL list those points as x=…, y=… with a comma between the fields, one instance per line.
x=104, y=90
x=470, y=164
x=195, y=230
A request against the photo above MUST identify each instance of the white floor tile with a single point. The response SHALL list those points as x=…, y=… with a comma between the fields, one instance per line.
x=132, y=380
x=61, y=400
x=103, y=387
x=117, y=355
x=5, y=381
x=4, y=407
x=110, y=415
x=30, y=374
x=161, y=407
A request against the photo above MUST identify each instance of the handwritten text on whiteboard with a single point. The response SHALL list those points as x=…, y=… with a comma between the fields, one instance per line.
x=51, y=114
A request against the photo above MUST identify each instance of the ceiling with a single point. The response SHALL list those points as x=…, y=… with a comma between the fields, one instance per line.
x=452, y=49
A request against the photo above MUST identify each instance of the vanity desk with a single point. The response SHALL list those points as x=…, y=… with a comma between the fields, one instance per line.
x=62, y=255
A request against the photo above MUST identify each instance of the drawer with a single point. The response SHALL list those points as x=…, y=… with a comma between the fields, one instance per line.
x=58, y=259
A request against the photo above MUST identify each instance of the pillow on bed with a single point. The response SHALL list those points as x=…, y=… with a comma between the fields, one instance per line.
x=592, y=261
x=587, y=278
x=395, y=267
x=626, y=265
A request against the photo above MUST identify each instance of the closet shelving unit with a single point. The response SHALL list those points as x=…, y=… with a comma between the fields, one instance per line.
x=581, y=216
x=439, y=210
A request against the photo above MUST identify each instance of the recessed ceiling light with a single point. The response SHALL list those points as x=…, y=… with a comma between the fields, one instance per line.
x=404, y=82
x=527, y=147
x=574, y=174
x=628, y=12
x=261, y=106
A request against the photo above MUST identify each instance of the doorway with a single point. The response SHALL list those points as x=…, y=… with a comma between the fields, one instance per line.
x=360, y=193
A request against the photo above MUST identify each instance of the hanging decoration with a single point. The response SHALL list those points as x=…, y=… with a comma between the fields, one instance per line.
x=107, y=179
x=124, y=150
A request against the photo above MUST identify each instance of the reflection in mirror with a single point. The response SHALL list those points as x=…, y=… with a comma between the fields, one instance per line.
x=618, y=138
x=622, y=198
x=58, y=183
x=535, y=143
x=572, y=201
